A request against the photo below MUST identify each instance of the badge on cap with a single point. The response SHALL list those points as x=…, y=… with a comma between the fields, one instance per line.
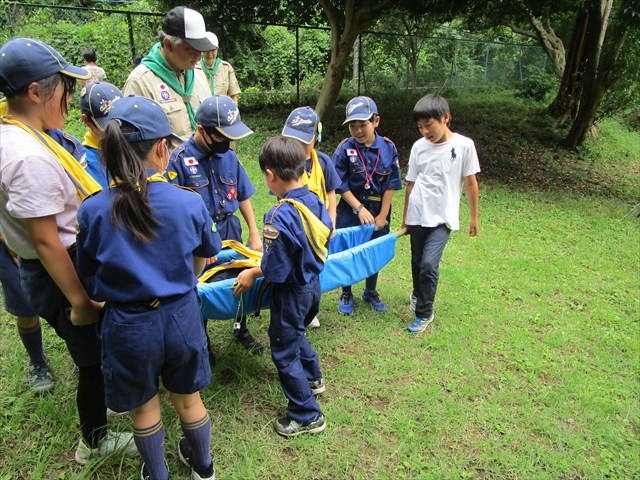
x=270, y=232
x=189, y=161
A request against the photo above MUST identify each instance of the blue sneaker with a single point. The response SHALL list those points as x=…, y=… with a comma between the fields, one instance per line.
x=413, y=301
x=373, y=299
x=419, y=324
x=345, y=304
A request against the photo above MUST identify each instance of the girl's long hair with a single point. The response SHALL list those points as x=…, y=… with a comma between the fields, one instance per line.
x=124, y=162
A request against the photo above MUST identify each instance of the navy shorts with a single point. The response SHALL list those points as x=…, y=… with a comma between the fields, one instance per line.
x=49, y=302
x=346, y=218
x=15, y=300
x=141, y=344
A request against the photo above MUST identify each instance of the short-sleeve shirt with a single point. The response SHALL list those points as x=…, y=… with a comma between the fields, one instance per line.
x=331, y=179
x=287, y=255
x=224, y=80
x=129, y=271
x=218, y=177
x=382, y=171
x=144, y=83
x=438, y=171
x=33, y=184
x=97, y=73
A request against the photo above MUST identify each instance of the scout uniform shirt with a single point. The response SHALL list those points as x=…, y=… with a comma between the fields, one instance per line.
x=144, y=83
x=224, y=80
x=219, y=178
x=367, y=172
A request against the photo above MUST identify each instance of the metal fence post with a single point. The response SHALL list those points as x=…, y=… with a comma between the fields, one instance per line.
x=298, y=65
x=131, y=42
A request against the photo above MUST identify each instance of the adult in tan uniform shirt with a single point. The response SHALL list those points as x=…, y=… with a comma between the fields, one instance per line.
x=224, y=76
x=167, y=72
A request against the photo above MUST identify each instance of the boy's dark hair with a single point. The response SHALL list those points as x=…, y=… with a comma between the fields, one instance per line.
x=89, y=55
x=283, y=156
x=430, y=106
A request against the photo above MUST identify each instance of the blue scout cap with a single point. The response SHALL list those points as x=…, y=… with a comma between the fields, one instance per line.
x=221, y=112
x=145, y=115
x=303, y=124
x=96, y=99
x=27, y=60
x=360, y=108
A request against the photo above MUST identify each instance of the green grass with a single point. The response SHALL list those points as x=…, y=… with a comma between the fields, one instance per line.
x=529, y=371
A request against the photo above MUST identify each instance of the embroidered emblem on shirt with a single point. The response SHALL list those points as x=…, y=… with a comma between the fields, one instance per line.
x=188, y=161
x=270, y=232
x=214, y=227
x=453, y=154
x=172, y=175
x=165, y=95
x=232, y=193
x=351, y=152
x=193, y=170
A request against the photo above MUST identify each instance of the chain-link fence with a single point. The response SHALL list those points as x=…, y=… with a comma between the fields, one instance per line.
x=280, y=63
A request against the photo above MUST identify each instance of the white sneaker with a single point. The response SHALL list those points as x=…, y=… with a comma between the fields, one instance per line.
x=111, y=443
x=113, y=413
x=315, y=323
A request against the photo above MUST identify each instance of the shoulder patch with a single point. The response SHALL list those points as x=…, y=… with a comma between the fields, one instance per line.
x=270, y=232
x=172, y=175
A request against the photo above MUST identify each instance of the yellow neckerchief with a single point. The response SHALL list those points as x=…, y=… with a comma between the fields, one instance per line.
x=315, y=179
x=3, y=107
x=252, y=259
x=91, y=140
x=84, y=183
x=317, y=232
x=156, y=177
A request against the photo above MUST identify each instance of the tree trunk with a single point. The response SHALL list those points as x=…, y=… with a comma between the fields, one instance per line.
x=600, y=68
x=551, y=44
x=356, y=66
x=564, y=105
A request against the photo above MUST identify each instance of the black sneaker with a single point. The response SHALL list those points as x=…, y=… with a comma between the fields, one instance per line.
x=317, y=386
x=247, y=341
x=185, y=454
x=287, y=427
x=40, y=378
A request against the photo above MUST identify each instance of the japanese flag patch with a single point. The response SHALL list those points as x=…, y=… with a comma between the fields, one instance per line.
x=270, y=232
x=189, y=161
x=351, y=152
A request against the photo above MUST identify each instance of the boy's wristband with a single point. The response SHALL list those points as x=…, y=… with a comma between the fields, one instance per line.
x=356, y=211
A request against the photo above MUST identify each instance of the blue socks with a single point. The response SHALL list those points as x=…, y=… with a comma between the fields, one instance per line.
x=32, y=341
x=150, y=443
x=198, y=434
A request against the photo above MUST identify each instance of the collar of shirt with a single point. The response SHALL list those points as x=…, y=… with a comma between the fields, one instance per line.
x=296, y=192
x=378, y=142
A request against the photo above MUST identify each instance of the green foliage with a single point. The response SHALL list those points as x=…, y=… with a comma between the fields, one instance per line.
x=537, y=85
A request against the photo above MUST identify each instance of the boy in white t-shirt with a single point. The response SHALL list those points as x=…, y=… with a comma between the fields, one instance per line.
x=439, y=165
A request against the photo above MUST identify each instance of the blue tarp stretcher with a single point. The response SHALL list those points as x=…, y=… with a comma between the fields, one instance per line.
x=353, y=256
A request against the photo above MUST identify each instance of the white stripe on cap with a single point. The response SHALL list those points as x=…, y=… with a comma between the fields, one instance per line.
x=193, y=25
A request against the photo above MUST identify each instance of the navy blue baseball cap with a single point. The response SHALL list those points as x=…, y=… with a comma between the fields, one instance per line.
x=96, y=99
x=145, y=115
x=27, y=60
x=303, y=124
x=360, y=108
x=222, y=113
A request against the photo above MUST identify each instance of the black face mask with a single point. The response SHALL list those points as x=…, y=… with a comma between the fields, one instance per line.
x=215, y=146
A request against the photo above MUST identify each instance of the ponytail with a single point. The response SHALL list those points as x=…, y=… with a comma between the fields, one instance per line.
x=124, y=162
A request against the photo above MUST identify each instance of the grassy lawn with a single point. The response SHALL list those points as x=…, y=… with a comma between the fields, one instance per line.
x=529, y=371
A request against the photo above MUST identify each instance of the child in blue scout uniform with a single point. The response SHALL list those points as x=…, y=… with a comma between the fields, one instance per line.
x=16, y=303
x=319, y=174
x=368, y=166
x=295, y=235
x=439, y=165
x=96, y=99
x=38, y=220
x=144, y=241
x=207, y=165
